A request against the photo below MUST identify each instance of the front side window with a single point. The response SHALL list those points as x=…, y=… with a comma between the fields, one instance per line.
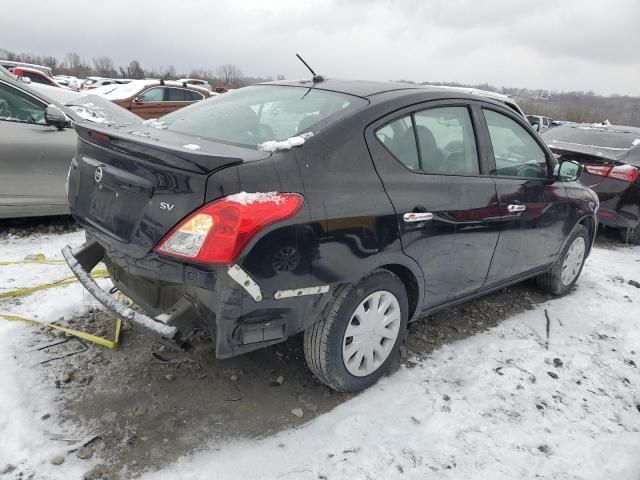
x=445, y=141
x=153, y=95
x=516, y=152
x=250, y=116
x=17, y=106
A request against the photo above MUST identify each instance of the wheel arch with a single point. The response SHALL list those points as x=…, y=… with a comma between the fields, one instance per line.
x=411, y=285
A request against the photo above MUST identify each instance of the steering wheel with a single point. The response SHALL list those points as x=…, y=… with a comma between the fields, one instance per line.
x=265, y=133
x=528, y=170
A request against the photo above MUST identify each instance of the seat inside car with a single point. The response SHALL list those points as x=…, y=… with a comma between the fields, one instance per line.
x=432, y=157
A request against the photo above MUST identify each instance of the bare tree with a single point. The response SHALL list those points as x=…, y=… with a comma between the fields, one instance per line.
x=104, y=66
x=74, y=65
x=134, y=70
x=229, y=73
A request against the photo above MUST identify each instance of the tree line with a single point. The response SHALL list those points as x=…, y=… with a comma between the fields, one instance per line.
x=225, y=75
x=576, y=106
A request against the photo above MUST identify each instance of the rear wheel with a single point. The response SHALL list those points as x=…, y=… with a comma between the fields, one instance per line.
x=631, y=235
x=565, y=271
x=350, y=347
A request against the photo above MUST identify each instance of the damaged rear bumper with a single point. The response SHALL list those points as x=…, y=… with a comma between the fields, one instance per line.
x=81, y=261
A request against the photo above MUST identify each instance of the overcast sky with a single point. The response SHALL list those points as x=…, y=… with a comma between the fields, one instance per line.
x=552, y=44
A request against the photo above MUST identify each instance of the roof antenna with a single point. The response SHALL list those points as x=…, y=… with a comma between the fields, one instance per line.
x=316, y=78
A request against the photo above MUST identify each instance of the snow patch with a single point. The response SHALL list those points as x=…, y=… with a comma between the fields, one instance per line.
x=91, y=113
x=155, y=123
x=275, y=145
x=192, y=146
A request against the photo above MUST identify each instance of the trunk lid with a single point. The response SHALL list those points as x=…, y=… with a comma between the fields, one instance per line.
x=128, y=188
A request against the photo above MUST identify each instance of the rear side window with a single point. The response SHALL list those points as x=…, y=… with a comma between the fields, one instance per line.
x=250, y=116
x=400, y=138
x=516, y=152
x=445, y=141
x=192, y=96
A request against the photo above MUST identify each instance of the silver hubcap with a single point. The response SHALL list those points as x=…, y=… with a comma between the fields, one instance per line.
x=573, y=261
x=371, y=333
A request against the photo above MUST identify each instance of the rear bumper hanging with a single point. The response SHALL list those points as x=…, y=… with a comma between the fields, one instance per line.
x=81, y=260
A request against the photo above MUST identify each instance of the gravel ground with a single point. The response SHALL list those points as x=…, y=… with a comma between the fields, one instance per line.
x=149, y=403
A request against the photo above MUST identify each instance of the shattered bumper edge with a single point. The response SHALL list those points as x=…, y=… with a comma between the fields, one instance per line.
x=123, y=313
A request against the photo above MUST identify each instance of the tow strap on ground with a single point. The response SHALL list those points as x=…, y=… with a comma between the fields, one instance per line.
x=40, y=259
x=85, y=336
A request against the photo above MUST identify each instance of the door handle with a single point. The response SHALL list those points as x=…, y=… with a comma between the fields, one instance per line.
x=410, y=217
x=514, y=208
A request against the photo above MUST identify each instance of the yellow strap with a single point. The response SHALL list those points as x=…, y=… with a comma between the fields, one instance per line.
x=85, y=336
x=102, y=273
x=38, y=258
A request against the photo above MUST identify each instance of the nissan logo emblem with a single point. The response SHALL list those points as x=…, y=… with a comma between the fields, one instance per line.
x=98, y=175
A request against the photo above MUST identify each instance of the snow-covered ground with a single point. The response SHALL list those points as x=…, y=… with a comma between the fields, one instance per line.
x=495, y=405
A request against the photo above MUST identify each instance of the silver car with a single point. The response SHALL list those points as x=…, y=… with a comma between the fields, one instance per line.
x=37, y=143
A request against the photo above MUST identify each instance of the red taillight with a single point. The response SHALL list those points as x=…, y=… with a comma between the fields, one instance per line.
x=100, y=137
x=626, y=173
x=219, y=231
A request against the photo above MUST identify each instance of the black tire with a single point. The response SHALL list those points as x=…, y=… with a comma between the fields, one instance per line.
x=631, y=235
x=551, y=281
x=323, y=341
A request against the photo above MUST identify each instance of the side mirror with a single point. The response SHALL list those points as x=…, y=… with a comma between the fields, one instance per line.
x=25, y=79
x=139, y=99
x=569, y=170
x=55, y=117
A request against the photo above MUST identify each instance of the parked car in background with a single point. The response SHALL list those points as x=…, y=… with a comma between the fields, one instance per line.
x=68, y=81
x=9, y=64
x=611, y=158
x=37, y=143
x=4, y=73
x=244, y=215
x=154, y=98
x=197, y=82
x=34, y=76
x=95, y=82
x=539, y=123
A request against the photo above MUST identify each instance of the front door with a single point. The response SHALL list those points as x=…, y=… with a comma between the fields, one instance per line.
x=34, y=157
x=533, y=206
x=446, y=207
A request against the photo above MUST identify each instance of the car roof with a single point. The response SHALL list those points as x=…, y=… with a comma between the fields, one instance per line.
x=359, y=88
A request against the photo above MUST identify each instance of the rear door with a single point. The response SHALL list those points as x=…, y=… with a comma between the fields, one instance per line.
x=445, y=202
x=533, y=205
x=34, y=157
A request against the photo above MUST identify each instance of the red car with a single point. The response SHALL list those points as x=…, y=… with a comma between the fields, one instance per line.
x=36, y=76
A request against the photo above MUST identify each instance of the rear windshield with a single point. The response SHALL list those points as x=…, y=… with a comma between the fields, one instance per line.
x=252, y=115
x=587, y=136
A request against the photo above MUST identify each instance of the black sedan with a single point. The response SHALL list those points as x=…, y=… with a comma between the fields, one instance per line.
x=611, y=158
x=339, y=209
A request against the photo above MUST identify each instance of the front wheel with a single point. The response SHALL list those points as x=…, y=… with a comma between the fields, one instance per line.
x=351, y=346
x=565, y=271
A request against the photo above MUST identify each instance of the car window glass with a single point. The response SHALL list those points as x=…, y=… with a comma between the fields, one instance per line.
x=175, y=95
x=399, y=137
x=35, y=78
x=446, y=141
x=516, y=152
x=192, y=96
x=153, y=95
x=18, y=107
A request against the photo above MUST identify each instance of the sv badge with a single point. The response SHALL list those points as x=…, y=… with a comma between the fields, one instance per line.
x=167, y=206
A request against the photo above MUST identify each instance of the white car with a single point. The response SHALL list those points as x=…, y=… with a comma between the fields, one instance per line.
x=95, y=82
x=539, y=123
x=505, y=99
x=195, y=81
